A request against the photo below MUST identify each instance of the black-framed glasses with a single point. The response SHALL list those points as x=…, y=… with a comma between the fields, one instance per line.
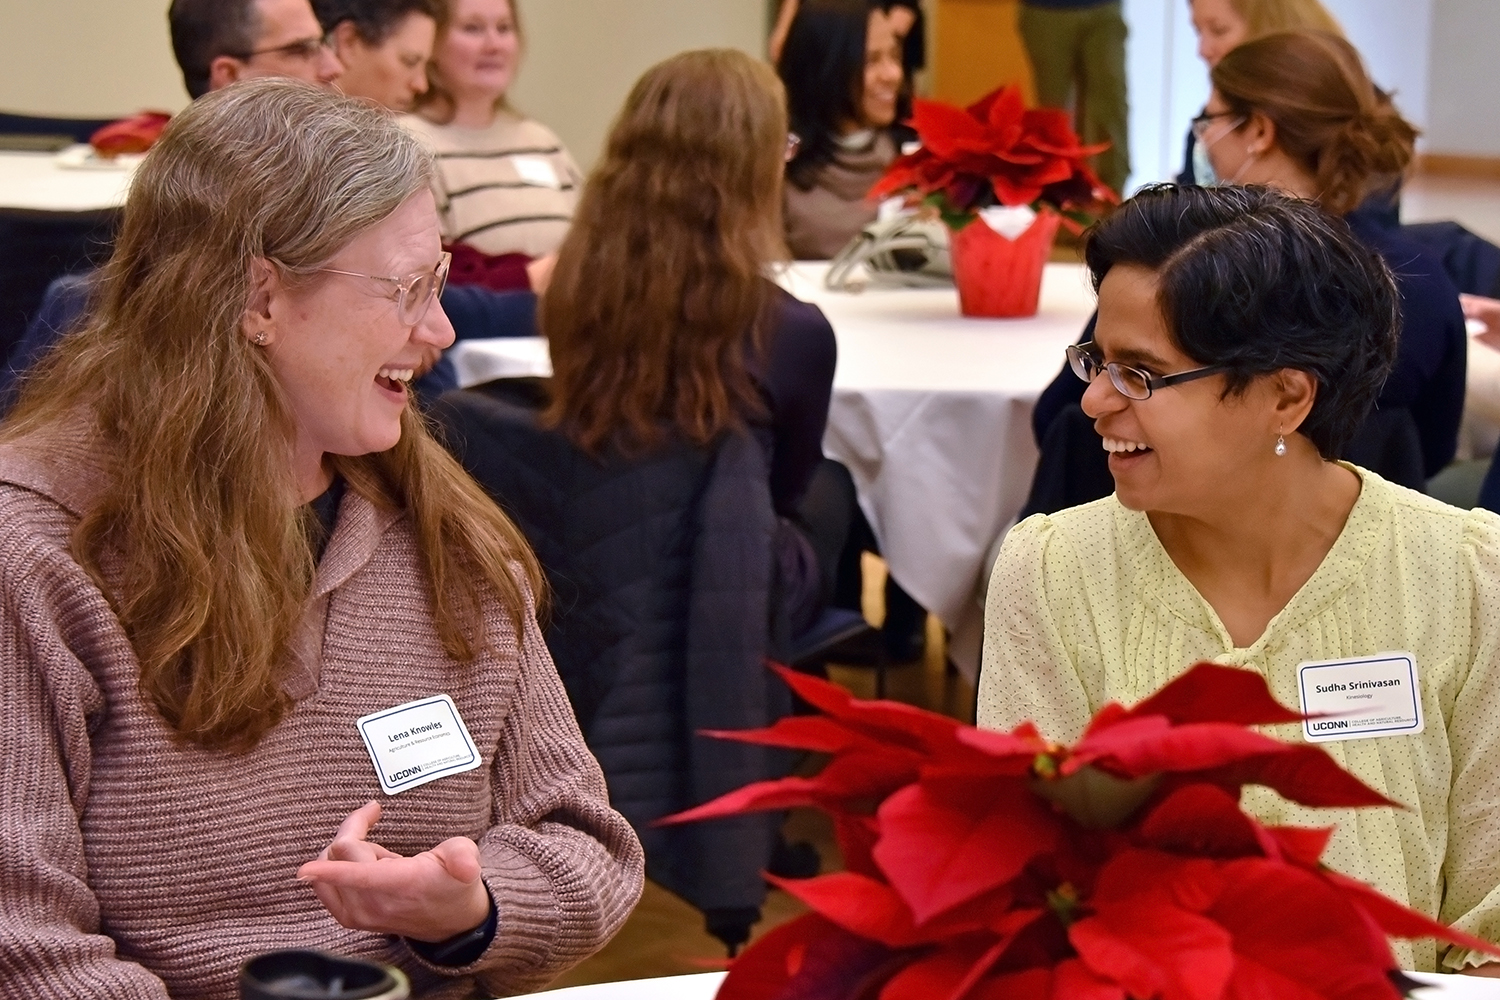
x=303, y=48
x=415, y=292
x=1202, y=121
x=1132, y=383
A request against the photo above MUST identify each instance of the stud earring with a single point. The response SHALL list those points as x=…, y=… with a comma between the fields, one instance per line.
x=260, y=338
x=1280, y=446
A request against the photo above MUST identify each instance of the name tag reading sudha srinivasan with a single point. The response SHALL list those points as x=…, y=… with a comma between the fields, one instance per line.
x=418, y=742
x=1357, y=699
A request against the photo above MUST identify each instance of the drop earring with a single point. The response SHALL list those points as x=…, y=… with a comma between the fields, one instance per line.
x=1280, y=446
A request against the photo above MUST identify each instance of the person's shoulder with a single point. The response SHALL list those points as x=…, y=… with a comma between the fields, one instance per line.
x=429, y=132
x=1090, y=527
x=1428, y=529
x=1418, y=271
x=520, y=128
x=801, y=320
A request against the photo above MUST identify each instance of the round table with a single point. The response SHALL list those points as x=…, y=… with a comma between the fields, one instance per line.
x=704, y=985
x=931, y=412
x=69, y=181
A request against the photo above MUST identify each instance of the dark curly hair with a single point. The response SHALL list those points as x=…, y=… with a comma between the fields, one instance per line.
x=1257, y=281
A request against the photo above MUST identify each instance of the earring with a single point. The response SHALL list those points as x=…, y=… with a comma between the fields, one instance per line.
x=260, y=338
x=1280, y=446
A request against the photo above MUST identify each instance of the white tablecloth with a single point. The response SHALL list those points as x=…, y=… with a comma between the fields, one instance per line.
x=705, y=985
x=931, y=413
x=40, y=182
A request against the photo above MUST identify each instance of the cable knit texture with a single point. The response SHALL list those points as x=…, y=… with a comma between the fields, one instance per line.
x=134, y=865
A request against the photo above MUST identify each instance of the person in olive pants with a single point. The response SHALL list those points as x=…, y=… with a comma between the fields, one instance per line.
x=1077, y=50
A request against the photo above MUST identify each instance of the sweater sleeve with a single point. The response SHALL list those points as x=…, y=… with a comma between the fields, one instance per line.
x=1028, y=669
x=51, y=944
x=799, y=384
x=564, y=869
x=1471, y=865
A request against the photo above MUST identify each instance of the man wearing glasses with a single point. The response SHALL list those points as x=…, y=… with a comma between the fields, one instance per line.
x=220, y=41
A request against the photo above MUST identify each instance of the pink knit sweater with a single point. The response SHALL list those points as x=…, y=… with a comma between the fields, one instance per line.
x=134, y=866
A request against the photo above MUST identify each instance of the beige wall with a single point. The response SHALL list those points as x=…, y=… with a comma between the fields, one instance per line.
x=86, y=58
x=583, y=55
x=89, y=58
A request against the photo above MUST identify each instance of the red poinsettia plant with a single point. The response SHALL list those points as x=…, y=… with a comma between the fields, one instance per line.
x=1001, y=866
x=997, y=152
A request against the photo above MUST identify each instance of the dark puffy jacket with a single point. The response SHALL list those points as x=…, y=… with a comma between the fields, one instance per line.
x=660, y=622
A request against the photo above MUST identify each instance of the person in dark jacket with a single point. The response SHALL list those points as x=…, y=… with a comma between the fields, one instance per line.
x=1296, y=111
x=659, y=315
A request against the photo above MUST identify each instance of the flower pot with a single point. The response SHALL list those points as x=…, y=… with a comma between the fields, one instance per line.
x=997, y=276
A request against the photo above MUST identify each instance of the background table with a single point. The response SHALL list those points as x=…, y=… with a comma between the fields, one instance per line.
x=38, y=182
x=54, y=219
x=931, y=412
x=704, y=985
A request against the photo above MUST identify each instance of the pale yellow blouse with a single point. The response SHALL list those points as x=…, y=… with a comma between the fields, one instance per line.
x=1086, y=607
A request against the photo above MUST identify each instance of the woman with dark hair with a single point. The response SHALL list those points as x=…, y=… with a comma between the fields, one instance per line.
x=384, y=46
x=841, y=65
x=239, y=578
x=1296, y=111
x=659, y=316
x=1242, y=338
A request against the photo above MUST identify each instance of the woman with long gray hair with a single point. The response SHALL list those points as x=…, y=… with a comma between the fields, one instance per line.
x=245, y=595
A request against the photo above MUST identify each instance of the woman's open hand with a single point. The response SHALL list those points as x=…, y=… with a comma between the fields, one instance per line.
x=427, y=897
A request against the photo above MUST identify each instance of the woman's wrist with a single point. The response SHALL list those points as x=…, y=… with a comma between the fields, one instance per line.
x=465, y=946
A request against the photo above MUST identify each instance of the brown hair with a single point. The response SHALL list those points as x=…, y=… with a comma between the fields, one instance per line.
x=656, y=303
x=210, y=564
x=436, y=103
x=1265, y=17
x=1329, y=117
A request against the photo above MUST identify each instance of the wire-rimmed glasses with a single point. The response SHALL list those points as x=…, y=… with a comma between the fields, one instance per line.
x=415, y=292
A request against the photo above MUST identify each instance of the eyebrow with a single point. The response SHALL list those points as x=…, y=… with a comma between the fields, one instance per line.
x=1135, y=357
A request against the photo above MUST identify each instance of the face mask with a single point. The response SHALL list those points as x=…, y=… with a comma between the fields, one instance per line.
x=1203, y=167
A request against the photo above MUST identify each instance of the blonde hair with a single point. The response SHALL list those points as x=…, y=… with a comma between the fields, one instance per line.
x=1330, y=118
x=1265, y=17
x=657, y=302
x=207, y=539
x=435, y=100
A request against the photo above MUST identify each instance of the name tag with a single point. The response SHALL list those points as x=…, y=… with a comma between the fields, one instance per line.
x=418, y=742
x=535, y=171
x=1358, y=699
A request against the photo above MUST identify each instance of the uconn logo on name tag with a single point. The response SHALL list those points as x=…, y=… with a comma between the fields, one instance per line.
x=418, y=742
x=1360, y=698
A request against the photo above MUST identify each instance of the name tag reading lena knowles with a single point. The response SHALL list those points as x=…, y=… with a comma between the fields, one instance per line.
x=1371, y=696
x=418, y=742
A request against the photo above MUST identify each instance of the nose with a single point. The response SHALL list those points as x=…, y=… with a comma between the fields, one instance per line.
x=435, y=329
x=1101, y=397
x=419, y=80
x=1206, y=51
x=329, y=67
